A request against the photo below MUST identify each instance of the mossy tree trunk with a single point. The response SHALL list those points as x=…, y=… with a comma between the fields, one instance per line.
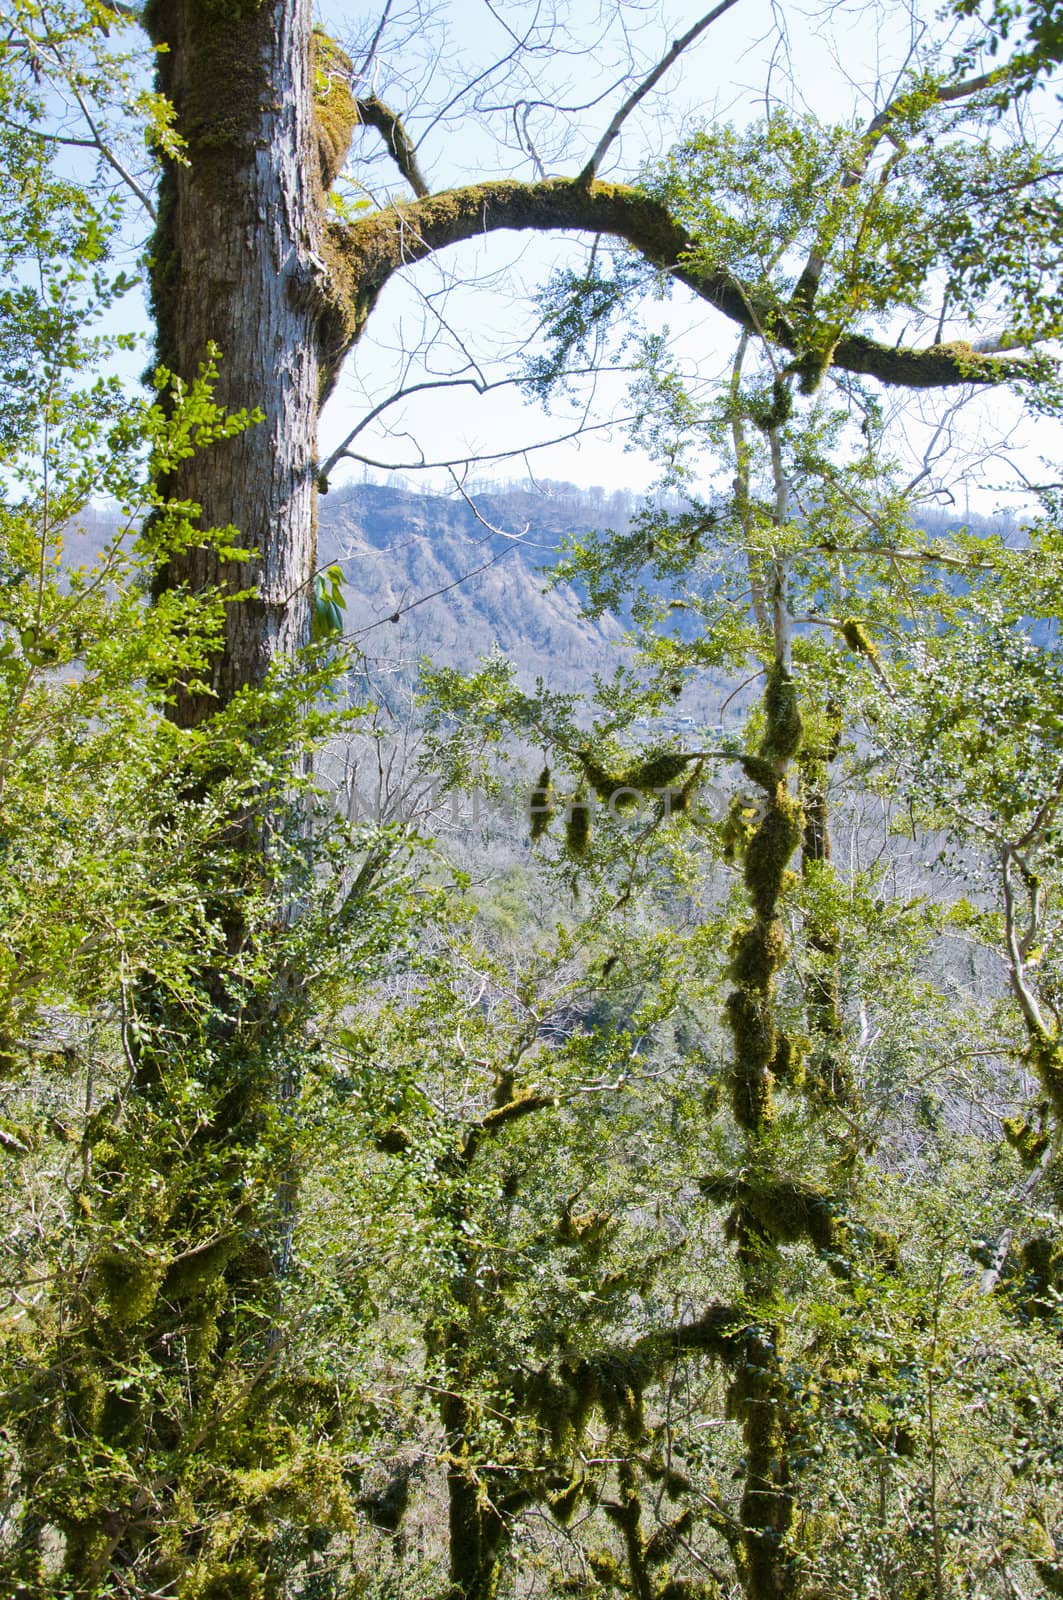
x=763, y=1059
x=237, y=263
x=827, y=1068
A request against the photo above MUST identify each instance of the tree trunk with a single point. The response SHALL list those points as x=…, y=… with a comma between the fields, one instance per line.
x=235, y=265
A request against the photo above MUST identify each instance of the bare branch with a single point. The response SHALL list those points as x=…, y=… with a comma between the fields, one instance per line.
x=480, y=385
x=1032, y=1013
x=495, y=455
x=590, y=171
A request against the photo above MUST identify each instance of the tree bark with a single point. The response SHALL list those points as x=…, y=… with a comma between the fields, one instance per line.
x=236, y=263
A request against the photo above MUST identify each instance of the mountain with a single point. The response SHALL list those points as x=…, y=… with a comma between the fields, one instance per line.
x=428, y=575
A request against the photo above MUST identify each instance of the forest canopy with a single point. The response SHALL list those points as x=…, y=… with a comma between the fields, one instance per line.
x=652, y=1188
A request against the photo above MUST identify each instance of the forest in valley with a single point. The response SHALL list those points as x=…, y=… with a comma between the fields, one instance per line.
x=530, y=1017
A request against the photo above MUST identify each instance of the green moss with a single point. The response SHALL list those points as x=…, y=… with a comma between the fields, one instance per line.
x=541, y=805
x=86, y=1394
x=1042, y=1283
x=129, y=1284
x=606, y=1569
x=227, y=11
x=657, y=771
x=565, y=1503
x=789, y=1063
x=223, y=1580
x=770, y=850
x=1030, y=1143
x=16, y=1138
x=578, y=827
x=664, y=1543
x=858, y=639
x=587, y=1228
x=335, y=107
x=602, y=782
x=780, y=410
x=782, y=733
x=753, y=1027
x=758, y=952
x=738, y=828
x=197, y=1271
x=761, y=772
x=393, y=1140
x=1046, y=1060
x=687, y=1589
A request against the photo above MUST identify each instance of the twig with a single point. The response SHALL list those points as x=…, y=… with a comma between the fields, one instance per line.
x=587, y=176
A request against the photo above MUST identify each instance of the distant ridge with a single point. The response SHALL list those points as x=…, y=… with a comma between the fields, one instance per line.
x=459, y=588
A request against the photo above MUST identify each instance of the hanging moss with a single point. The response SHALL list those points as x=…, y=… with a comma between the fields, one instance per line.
x=606, y=1569
x=737, y=828
x=761, y=772
x=129, y=1284
x=688, y=1589
x=222, y=11
x=565, y=1503
x=675, y=1483
x=589, y=1228
x=788, y=1064
x=665, y=1541
x=778, y=1212
x=657, y=771
x=541, y=806
x=780, y=410
x=858, y=639
x=386, y=1507
x=17, y=1138
x=393, y=1140
x=578, y=826
x=789, y=1212
x=603, y=783
x=200, y=1268
x=1046, y=1059
x=680, y=799
x=811, y=366
x=86, y=1394
x=1030, y=1142
x=1042, y=1284
x=753, y=1027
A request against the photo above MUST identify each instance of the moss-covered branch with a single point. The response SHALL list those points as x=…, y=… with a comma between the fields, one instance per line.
x=366, y=254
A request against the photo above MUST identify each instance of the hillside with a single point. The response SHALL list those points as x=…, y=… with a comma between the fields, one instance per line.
x=457, y=589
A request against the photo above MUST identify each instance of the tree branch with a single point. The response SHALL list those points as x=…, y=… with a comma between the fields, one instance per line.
x=808, y=283
x=370, y=250
x=590, y=171
x=373, y=113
